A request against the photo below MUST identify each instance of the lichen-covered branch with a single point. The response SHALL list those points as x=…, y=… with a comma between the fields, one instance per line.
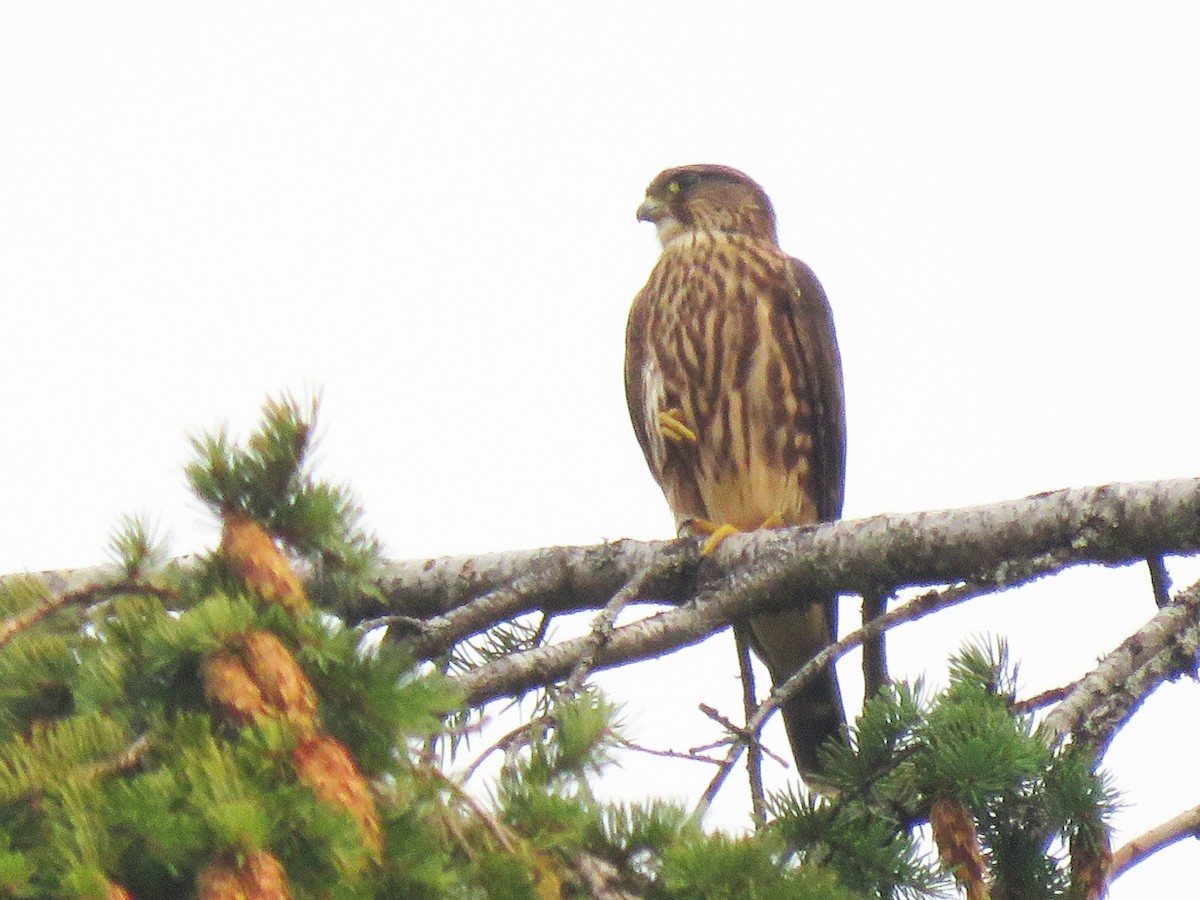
x=1112, y=525
x=1103, y=700
x=994, y=545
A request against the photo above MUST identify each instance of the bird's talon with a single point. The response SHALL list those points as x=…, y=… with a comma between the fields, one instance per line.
x=671, y=427
x=716, y=538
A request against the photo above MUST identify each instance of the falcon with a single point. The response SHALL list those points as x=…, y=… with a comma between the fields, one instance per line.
x=734, y=384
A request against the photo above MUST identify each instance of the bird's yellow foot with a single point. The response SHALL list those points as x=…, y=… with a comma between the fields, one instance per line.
x=671, y=427
x=716, y=534
x=715, y=539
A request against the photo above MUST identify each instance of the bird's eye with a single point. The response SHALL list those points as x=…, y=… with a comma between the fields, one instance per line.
x=683, y=182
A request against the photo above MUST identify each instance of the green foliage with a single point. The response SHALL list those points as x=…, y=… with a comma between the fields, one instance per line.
x=269, y=480
x=968, y=744
x=514, y=636
x=120, y=763
x=115, y=765
x=134, y=548
x=20, y=595
x=63, y=749
x=545, y=795
x=719, y=867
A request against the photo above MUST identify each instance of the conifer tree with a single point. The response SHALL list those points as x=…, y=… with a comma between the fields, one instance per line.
x=233, y=726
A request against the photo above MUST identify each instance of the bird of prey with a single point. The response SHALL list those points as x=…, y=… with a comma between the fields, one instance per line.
x=734, y=384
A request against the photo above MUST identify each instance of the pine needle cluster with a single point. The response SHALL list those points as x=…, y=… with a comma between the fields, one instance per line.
x=1009, y=815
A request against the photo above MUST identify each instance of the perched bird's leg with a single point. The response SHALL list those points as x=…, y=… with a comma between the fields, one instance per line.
x=671, y=427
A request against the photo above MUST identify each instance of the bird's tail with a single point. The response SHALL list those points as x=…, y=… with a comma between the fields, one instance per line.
x=786, y=641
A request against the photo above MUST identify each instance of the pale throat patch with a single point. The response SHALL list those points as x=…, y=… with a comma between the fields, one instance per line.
x=669, y=229
x=671, y=232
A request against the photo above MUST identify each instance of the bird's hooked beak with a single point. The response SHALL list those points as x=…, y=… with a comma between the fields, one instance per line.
x=651, y=210
x=659, y=212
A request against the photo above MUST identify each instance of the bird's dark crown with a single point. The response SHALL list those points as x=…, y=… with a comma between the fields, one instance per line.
x=687, y=177
x=710, y=197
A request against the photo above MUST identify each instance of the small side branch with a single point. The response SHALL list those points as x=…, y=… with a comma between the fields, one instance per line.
x=914, y=609
x=874, y=664
x=84, y=595
x=1160, y=580
x=1184, y=825
x=602, y=628
x=1106, y=697
x=754, y=755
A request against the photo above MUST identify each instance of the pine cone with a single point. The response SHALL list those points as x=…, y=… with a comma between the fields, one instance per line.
x=229, y=684
x=283, y=684
x=1091, y=862
x=260, y=877
x=252, y=553
x=325, y=766
x=958, y=845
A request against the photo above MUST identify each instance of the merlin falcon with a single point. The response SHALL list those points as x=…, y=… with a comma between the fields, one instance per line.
x=734, y=383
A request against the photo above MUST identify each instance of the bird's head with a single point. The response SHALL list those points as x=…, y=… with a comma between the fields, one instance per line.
x=707, y=198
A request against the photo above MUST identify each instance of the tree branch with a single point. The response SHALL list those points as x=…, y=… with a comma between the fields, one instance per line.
x=1186, y=824
x=1113, y=524
x=874, y=660
x=1104, y=699
x=758, y=798
x=914, y=609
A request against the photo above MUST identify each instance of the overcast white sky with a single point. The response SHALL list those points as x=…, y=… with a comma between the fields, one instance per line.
x=429, y=216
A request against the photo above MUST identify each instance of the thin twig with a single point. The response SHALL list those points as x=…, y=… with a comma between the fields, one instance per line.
x=125, y=760
x=1184, y=825
x=408, y=624
x=739, y=732
x=83, y=596
x=498, y=831
x=1044, y=699
x=690, y=755
x=914, y=609
x=504, y=602
x=1160, y=580
x=14, y=625
x=758, y=800
x=504, y=743
x=874, y=660
x=602, y=627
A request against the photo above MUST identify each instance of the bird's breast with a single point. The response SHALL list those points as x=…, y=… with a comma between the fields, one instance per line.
x=722, y=357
